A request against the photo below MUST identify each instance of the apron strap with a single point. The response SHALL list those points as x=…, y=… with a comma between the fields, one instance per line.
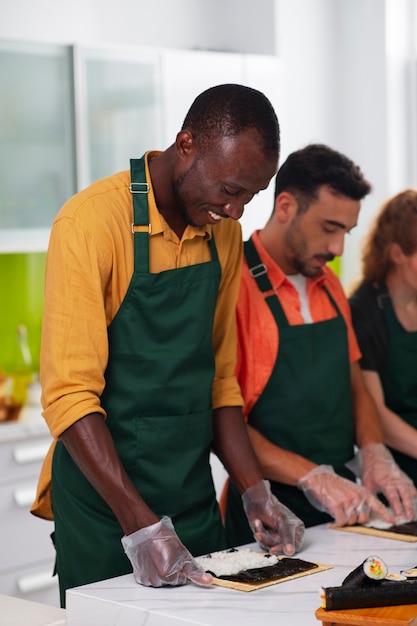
x=332, y=300
x=141, y=227
x=259, y=272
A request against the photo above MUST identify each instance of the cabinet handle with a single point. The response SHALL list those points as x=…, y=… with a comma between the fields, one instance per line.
x=25, y=496
x=33, y=452
x=36, y=581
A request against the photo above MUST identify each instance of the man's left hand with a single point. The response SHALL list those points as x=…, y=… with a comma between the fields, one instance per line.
x=274, y=526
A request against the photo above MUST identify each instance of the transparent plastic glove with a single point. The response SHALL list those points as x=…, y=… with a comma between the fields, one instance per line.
x=347, y=502
x=274, y=526
x=381, y=474
x=159, y=558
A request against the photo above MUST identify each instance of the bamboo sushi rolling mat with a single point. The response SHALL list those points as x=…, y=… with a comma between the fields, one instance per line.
x=375, y=532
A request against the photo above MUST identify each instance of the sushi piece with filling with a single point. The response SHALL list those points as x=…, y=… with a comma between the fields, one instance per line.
x=370, y=572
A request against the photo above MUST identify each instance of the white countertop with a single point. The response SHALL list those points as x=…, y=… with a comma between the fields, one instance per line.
x=122, y=602
x=17, y=612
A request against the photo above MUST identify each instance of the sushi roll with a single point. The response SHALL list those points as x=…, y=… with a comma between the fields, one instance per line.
x=370, y=572
x=395, y=577
x=410, y=573
x=385, y=594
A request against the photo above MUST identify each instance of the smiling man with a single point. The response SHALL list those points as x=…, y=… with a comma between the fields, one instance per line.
x=139, y=349
x=306, y=404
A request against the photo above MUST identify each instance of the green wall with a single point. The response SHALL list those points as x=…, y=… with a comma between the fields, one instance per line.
x=21, y=302
x=336, y=265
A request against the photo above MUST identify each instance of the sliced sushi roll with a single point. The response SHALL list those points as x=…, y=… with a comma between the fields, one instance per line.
x=370, y=572
x=395, y=577
x=410, y=573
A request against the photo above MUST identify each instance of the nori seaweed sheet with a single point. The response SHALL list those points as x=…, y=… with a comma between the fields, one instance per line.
x=285, y=567
x=387, y=593
x=408, y=528
x=359, y=577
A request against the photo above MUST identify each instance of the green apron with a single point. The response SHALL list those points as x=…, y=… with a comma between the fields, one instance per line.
x=158, y=399
x=399, y=378
x=306, y=405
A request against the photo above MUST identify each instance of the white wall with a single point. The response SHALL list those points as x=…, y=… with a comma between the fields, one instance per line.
x=351, y=74
x=347, y=75
x=231, y=25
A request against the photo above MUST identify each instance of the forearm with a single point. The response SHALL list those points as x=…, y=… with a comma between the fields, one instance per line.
x=232, y=445
x=91, y=446
x=397, y=433
x=276, y=463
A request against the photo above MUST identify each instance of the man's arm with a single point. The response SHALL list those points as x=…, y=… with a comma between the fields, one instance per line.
x=91, y=446
x=277, y=463
x=345, y=501
x=274, y=526
x=157, y=555
x=232, y=446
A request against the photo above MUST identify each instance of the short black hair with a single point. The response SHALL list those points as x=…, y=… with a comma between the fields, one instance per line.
x=229, y=109
x=308, y=169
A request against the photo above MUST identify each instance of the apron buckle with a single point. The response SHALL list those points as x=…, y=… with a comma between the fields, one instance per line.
x=140, y=228
x=258, y=270
x=139, y=188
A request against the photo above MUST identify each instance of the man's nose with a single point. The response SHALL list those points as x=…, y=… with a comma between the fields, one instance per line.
x=337, y=245
x=234, y=209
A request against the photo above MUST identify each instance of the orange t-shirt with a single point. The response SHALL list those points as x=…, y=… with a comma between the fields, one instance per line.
x=258, y=334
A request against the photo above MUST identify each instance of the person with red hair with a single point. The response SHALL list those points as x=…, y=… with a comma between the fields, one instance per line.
x=384, y=314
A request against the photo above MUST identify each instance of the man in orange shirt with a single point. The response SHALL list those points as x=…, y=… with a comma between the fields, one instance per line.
x=306, y=404
x=139, y=350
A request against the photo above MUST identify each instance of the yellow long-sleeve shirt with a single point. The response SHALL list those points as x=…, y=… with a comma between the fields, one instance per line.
x=89, y=268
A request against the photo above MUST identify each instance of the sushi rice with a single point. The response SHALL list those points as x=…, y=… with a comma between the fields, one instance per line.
x=231, y=562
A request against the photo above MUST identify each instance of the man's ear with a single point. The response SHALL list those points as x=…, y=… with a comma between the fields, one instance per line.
x=185, y=144
x=286, y=207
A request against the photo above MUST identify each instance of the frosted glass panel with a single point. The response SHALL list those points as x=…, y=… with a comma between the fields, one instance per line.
x=36, y=146
x=122, y=102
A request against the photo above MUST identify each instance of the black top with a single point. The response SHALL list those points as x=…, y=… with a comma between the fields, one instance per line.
x=370, y=325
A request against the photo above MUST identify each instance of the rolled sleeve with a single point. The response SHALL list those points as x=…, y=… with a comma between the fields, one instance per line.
x=226, y=390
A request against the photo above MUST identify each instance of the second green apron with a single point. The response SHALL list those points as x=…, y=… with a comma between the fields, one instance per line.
x=399, y=379
x=158, y=399
x=305, y=407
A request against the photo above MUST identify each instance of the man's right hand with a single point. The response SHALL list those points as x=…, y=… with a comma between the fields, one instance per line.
x=346, y=501
x=159, y=558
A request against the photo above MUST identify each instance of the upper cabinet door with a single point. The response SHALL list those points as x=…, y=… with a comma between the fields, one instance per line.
x=37, y=171
x=118, y=109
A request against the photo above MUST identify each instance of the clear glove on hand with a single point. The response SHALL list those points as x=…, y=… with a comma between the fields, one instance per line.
x=159, y=558
x=347, y=502
x=381, y=474
x=274, y=526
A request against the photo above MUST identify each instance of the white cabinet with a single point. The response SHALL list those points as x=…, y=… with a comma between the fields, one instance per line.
x=72, y=114
x=27, y=554
x=37, y=171
x=118, y=106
